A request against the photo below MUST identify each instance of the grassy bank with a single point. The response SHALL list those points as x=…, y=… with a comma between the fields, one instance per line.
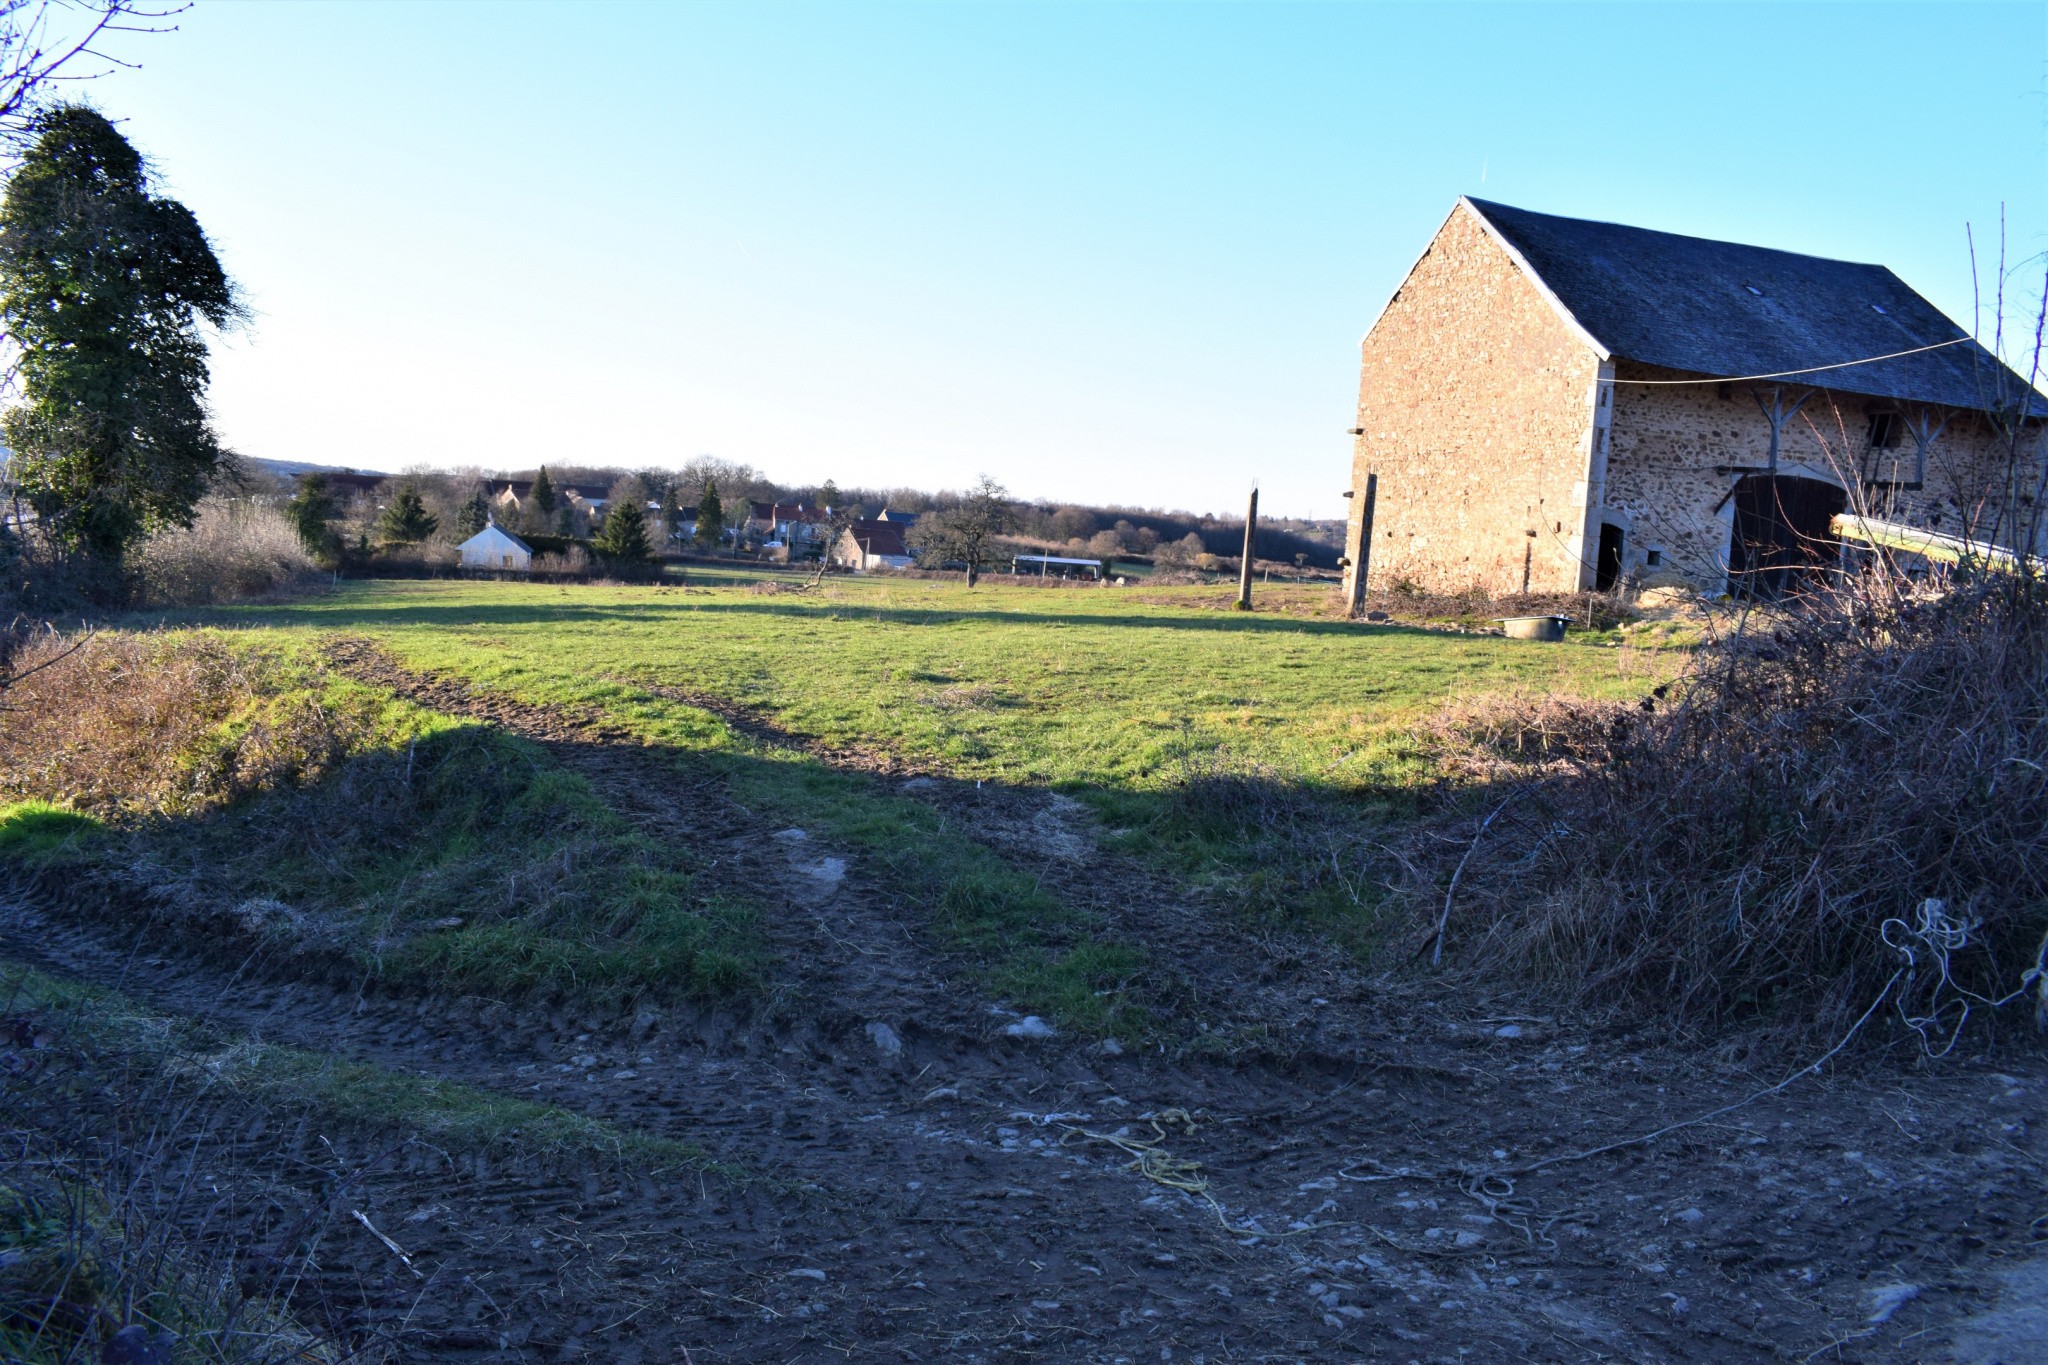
x=232, y=777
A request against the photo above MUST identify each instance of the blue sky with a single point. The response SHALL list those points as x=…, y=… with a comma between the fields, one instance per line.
x=1102, y=252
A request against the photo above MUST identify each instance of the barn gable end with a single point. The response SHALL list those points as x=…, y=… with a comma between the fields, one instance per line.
x=1476, y=409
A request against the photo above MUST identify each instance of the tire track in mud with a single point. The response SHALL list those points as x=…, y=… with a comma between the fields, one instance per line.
x=882, y=1213
x=934, y=1204
x=1296, y=991
x=845, y=951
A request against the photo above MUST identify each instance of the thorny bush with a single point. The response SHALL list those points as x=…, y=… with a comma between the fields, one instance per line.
x=1850, y=797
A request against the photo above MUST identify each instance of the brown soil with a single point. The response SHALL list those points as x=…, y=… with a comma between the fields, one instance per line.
x=962, y=1200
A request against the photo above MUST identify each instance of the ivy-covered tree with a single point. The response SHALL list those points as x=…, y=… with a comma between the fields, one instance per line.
x=624, y=534
x=104, y=287
x=310, y=509
x=406, y=521
x=472, y=516
x=710, y=515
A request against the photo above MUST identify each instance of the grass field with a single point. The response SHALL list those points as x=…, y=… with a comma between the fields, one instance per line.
x=1129, y=702
x=1097, y=690
x=1250, y=760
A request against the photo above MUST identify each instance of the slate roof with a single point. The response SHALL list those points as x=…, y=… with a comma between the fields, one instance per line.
x=878, y=537
x=1722, y=308
x=522, y=489
x=774, y=512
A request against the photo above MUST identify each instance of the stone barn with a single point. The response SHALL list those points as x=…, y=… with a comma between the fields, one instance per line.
x=1551, y=404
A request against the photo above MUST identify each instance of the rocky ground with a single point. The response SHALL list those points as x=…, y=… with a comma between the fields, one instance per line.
x=901, y=1170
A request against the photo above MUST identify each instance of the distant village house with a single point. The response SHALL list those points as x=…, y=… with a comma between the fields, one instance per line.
x=873, y=544
x=495, y=548
x=1551, y=404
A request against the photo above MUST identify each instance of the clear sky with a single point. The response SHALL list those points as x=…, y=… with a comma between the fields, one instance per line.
x=1102, y=252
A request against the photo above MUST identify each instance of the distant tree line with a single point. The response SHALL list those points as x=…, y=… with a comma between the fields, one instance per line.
x=704, y=505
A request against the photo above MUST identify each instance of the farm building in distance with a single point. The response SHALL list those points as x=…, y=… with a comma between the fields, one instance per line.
x=1551, y=404
x=872, y=545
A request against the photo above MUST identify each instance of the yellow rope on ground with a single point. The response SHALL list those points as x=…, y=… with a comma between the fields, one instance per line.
x=1151, y=1160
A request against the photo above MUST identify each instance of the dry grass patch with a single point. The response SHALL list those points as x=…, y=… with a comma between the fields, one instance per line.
x=1851, y=801
x=161, y=724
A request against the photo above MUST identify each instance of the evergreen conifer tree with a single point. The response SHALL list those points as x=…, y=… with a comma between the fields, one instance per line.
x=406, y=521
x=671, y=513
x=624, y=536
x=710, y=516
x=310, y=509
x=473, y=516
x=543, y=495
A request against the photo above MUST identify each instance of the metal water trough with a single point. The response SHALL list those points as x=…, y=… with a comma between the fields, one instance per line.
x=1534, y=627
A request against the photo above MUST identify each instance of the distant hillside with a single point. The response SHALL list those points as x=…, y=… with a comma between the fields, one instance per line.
x=291, y=469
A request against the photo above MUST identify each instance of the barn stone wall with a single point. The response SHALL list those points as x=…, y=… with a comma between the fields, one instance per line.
x=1476, y=409
x=1666, y=441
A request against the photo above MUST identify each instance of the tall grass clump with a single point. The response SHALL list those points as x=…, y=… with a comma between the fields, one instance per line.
x=146, y=724
x=1844, y=799
x=234, y=549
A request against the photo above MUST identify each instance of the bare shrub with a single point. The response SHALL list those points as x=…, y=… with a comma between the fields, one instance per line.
x=1853, y=798
x=575, y=562
x=234, y=549
x=164, y=725
x=1516, y=735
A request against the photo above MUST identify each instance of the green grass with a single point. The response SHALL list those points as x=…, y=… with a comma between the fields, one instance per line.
x=1127, y=700
x=37, y=834
x=1087, y=689
x=465, y=858
x=1219, y=745
x=432, y=850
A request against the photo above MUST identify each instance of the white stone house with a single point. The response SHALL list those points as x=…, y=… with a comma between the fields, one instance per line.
x=495, y=548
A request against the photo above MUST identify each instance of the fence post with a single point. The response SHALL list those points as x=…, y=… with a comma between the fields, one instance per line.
x=1244, y=563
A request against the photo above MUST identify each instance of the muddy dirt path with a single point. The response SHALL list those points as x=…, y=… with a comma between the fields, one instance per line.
x=933, y=1190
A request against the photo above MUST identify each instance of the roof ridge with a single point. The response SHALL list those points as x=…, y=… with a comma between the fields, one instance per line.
x=1484, y=204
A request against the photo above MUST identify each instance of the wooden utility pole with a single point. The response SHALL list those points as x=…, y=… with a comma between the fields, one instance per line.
x=1361, y=550
x=1244, y=565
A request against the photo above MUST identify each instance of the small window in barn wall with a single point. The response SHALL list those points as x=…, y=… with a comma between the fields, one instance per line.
x=1884, y=430
x=1653, y=558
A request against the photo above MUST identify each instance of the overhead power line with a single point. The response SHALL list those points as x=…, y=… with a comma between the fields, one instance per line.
x=1787, y=374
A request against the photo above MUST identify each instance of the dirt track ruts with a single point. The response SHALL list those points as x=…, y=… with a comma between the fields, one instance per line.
x=938, y=1204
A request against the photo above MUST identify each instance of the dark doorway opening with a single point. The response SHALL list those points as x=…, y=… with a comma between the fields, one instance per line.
x=1784, y=540
x=1607, y=565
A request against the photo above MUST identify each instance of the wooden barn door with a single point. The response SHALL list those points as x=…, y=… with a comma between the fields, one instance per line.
x=1783, y=540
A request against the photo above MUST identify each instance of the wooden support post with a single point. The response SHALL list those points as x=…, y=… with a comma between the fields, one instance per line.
x=1361, y=550
x=1777, y=413
x=1244, y=564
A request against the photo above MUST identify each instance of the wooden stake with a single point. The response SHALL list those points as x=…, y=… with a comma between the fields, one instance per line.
x=1244, y=565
